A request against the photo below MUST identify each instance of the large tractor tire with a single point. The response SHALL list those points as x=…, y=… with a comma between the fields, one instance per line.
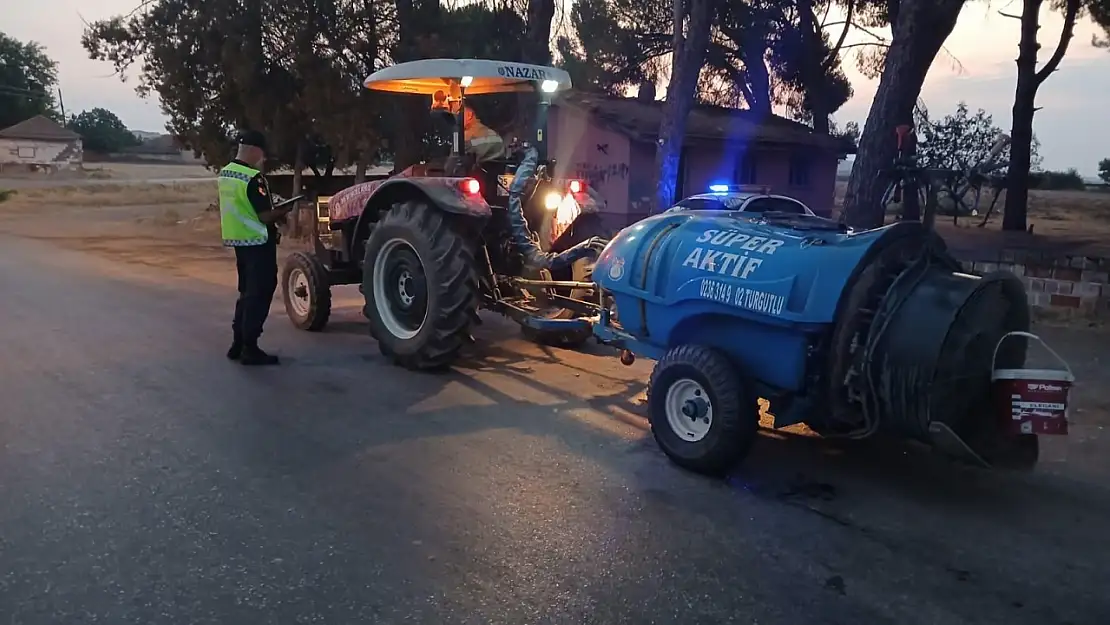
x=306, y=292
x=420, y=286
x=581, y=271
x=701, y=414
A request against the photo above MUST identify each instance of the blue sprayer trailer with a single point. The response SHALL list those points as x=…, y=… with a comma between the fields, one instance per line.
x=855, y=334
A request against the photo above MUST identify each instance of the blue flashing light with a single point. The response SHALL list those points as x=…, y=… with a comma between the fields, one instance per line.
x=718, y=188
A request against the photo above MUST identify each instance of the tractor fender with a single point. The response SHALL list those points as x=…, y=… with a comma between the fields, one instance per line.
x=444, y=194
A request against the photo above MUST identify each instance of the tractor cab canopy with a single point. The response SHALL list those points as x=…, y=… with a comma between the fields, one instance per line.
x=470, y=76
x=449, y=82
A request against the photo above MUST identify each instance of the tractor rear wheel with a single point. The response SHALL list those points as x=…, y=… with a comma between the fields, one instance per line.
x=420, y=286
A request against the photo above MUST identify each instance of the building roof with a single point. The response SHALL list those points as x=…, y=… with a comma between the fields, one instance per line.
x=41, y=128
x=640, y=121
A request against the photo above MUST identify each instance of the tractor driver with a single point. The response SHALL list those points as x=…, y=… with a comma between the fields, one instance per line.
x=247, y=219
x=481, y=140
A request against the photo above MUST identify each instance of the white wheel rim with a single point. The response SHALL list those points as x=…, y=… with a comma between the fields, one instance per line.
x=689, y=411
x=381, y=285
x=298, y=283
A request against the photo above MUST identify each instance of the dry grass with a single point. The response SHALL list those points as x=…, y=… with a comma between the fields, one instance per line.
x=109, y=194
x=1079, y=220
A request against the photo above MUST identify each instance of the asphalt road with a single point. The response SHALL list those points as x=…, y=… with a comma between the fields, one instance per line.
x=144, y=479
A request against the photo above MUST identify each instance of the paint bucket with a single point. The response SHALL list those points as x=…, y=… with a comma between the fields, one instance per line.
x=1031, y=401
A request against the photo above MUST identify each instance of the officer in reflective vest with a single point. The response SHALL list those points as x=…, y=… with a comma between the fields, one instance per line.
x=247, y=219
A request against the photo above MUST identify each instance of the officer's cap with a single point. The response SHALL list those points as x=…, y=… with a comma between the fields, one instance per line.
x=252, y=138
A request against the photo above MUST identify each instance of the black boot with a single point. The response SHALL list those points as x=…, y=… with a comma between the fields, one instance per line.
x=236, y=350
x=254, y=356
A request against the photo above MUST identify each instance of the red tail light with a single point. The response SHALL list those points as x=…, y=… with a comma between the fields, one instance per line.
x=471, y=186
x=576, y=186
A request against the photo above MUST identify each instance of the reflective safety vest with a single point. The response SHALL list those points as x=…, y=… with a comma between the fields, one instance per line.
x=238, y=220
x=483, y=142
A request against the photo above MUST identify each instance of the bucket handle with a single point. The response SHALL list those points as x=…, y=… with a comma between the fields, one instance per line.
x=1029, y=335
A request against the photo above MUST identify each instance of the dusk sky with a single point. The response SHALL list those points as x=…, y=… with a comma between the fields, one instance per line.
x=1071, y=126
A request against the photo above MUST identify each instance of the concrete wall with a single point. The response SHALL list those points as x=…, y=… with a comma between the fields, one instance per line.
x=586, y=150
x=28, y=152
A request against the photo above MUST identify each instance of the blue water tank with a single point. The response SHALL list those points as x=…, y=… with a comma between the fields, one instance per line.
x=851, y=333
x=763, y=289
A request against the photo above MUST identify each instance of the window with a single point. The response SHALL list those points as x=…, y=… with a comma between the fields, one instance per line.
x=799, y=171
x=26, y=152
x=774, y=204
x=745, y=169
x=701, y=203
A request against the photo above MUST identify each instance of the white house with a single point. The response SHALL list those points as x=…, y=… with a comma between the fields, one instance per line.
x=39, y=143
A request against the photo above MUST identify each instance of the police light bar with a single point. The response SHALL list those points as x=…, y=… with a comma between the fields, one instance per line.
x=739, y=188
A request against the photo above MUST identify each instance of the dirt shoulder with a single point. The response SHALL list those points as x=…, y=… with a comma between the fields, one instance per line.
x=173, y=227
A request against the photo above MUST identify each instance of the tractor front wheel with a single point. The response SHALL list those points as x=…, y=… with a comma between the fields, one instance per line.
x=420, y=286
x=306, y=291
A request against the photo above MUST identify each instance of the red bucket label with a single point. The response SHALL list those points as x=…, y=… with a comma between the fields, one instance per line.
x=1032, y=406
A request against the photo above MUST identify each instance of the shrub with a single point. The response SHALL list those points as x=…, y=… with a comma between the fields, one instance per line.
x=1069, y=180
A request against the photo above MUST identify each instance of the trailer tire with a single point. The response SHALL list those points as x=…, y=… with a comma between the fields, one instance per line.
x=418, y=246
x=306, y=292
x=701, y=414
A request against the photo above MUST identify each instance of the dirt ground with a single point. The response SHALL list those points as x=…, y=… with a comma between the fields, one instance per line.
x=105, y=173
x=174, y=227
x=1074, y=223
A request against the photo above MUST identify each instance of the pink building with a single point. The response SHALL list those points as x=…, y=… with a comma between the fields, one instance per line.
x=610, y=142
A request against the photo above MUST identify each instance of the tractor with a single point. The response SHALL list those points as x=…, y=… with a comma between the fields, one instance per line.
x=433, y=244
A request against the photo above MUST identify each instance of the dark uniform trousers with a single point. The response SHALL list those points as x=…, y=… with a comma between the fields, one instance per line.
x=258, y=277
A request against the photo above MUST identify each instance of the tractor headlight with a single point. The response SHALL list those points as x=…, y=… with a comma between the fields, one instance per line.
x=567, y=211
x=552, y=200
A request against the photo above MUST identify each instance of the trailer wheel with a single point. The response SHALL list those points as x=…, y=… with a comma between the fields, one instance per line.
x=701, y=414
x=420, y=286
x=306, y=291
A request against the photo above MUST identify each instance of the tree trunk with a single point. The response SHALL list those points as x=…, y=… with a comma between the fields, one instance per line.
x=362, y=165
x=540, y=14
x=417, y=20
x=298, y=166
x=1021, y=132
x=688, y=57
x=919, y=30
x=1029, y=81
x=757, y=77
x=811, y=58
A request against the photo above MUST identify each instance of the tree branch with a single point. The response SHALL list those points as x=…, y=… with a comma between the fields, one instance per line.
x=877, y=44
x=835, y=52
x=1066, y=32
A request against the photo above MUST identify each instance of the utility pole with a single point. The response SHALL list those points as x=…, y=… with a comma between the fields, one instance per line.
x=62, y=105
